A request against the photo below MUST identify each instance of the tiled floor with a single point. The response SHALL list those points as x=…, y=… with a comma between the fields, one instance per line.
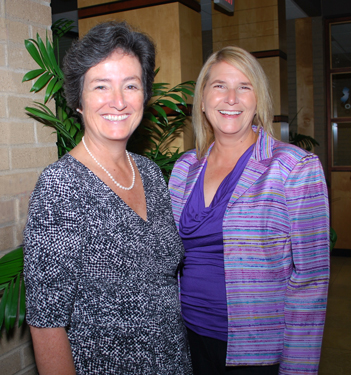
x=336, y=348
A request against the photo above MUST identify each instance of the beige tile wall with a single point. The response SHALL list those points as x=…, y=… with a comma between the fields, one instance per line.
x=25, y=148
x=254, y=26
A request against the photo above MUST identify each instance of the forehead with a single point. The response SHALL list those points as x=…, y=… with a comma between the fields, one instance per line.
x=225, y=71
x=117, y=63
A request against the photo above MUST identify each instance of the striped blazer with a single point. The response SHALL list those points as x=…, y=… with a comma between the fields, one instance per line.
x=276, y=255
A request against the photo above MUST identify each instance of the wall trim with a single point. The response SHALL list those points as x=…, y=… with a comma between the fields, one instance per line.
x=341, y=252
x=281, y=118
x=270, y=53
x=122, y=6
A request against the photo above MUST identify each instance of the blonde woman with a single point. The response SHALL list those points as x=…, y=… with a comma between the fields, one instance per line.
x=253, y=216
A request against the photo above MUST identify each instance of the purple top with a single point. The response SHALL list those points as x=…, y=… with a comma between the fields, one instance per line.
x=203, y=293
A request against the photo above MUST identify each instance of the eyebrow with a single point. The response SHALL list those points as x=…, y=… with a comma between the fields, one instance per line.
x=221, y=81
x=126, y=79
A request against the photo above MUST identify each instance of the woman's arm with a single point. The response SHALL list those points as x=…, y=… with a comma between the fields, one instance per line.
x=307, y=289
x=52, y=264
x=52, y=351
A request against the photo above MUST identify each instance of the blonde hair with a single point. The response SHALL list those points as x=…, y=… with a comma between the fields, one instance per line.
x=248, y=65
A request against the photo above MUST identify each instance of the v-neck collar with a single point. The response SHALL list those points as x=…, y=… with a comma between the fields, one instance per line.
x=112, y=193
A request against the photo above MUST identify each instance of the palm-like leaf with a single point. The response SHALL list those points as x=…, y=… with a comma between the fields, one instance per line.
x=67, y=129
x=12, y=287
x=50, y=75
x=164, y=118
x=333, y=238
x=61, y=27
x=165, y=160
x=302, y=140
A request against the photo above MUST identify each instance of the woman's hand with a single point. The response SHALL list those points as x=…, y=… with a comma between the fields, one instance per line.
x=52, y=350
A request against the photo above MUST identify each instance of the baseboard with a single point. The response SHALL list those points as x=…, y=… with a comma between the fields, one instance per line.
x=341, y=252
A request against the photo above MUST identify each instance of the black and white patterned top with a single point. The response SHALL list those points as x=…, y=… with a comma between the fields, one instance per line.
x=94, y=266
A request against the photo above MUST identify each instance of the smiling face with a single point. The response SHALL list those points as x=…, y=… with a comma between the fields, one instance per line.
x=112, y=98
x=229, y=102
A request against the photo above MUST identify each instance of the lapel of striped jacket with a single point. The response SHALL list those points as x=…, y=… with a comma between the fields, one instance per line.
x=256, y=165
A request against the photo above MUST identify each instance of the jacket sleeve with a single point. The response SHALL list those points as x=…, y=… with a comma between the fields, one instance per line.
x=306, y=296
x=176, y=187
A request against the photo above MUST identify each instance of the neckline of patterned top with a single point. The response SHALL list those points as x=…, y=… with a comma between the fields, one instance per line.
x=108, y=173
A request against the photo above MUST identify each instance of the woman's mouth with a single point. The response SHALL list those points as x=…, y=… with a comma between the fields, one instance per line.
x=230, y=113
x=115, y=117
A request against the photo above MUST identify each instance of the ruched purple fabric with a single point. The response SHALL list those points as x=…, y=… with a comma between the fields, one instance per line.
x=203, y=295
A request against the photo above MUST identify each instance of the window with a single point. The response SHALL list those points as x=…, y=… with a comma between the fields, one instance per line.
x=339, y=94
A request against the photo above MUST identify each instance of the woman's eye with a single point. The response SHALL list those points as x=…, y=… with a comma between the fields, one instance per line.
x=99, y=87
x=132, y=87
x=219, y=86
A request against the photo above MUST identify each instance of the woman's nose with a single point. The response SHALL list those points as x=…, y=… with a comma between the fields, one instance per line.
x=232, y=97
x=118, y=100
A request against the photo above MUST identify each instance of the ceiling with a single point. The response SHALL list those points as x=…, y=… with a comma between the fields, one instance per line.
x=292, y=11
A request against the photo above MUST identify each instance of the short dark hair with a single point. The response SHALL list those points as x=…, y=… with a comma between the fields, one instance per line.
x=97, y=45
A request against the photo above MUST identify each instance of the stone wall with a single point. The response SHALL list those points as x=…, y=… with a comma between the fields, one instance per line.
x=25, y=148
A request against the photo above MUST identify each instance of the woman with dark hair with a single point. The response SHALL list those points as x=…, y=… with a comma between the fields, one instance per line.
x=253, y=215
x=101, y=246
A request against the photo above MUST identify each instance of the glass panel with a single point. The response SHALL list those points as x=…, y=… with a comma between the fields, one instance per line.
x=341, y=95
x=341, y=144
x=340, y=40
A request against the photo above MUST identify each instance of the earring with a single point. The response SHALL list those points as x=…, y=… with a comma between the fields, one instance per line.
x=203, y=109
x=78, y=110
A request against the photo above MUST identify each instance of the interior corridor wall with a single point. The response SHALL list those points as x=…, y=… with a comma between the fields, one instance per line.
x=25, y=148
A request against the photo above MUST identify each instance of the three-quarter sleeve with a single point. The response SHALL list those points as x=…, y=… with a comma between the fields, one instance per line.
x=52, y=255
x=306, y=296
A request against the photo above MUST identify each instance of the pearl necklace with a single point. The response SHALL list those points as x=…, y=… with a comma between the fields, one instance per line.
x=108, y=173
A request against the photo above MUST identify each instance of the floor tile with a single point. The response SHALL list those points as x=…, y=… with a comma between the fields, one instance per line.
x=336, y=347
x=335, y=362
